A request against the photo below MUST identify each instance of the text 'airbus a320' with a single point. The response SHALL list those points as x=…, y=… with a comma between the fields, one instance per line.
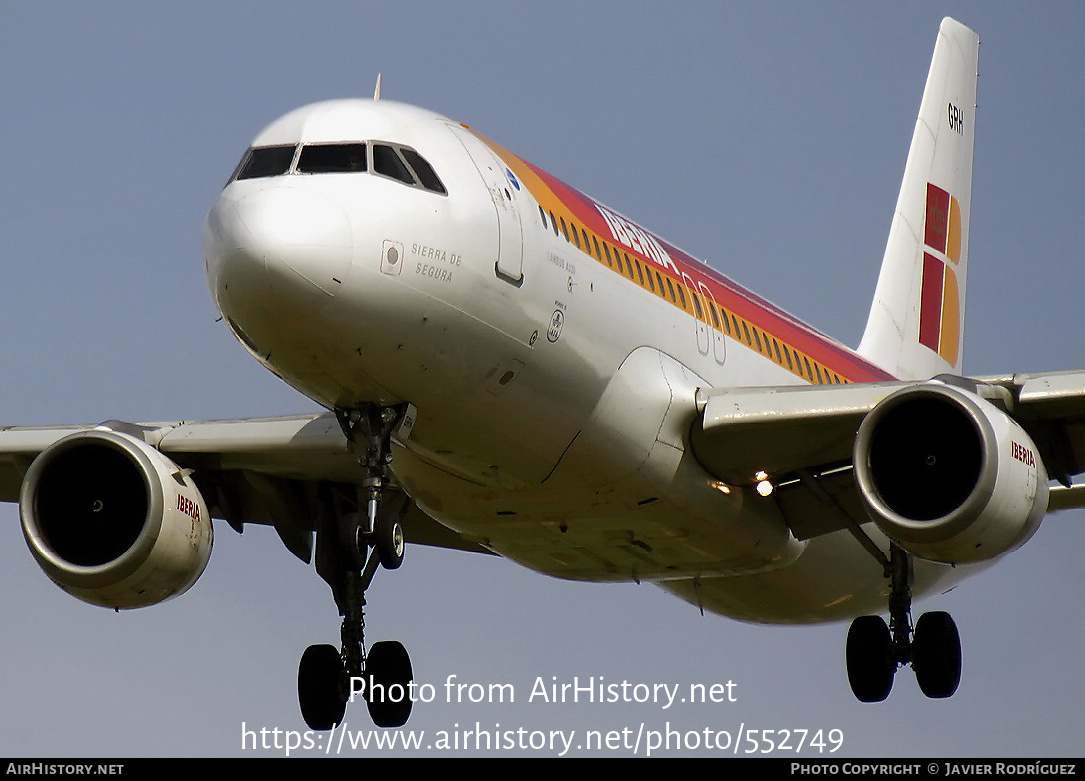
x=509, y=366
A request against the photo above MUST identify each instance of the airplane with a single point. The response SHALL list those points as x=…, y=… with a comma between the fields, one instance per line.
x=522, y=370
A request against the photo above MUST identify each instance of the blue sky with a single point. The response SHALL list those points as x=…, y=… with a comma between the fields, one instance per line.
x=768, y=139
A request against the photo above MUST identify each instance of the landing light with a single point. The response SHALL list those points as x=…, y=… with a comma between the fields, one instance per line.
x=764, y=487
x=723, y=488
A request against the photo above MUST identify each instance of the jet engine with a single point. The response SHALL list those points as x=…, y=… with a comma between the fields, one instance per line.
x=114, y=522
x=948, y=476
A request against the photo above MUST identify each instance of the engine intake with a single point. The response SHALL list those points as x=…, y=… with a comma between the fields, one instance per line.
x=949, y=476
x=114, y=522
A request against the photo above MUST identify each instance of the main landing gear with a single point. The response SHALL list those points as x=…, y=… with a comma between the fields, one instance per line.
x=328, y=677
x=874, y=650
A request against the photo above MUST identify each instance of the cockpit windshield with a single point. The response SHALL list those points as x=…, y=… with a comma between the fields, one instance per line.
x=400, y=163
x=332, y=158
x=266, y=161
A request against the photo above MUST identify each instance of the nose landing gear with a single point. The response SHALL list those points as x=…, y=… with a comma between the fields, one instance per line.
x=327, y=678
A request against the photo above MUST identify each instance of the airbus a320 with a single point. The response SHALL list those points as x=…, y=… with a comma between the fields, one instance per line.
x=510, y=366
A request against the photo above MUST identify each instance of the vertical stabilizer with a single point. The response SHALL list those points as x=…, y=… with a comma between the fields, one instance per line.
x=916, y=324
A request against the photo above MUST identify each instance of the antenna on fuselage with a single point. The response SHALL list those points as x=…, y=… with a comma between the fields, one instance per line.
x=377, y=89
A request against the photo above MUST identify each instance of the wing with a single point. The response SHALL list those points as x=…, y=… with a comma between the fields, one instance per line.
x=804, y=439
x=283, y=472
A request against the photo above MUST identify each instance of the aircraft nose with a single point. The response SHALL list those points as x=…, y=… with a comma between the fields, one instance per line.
x=276, y=242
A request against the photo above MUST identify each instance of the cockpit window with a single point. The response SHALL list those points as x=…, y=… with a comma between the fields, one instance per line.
x=388, y=163
x=400, y=163
x=332, y=158
x=425, y=171
x=266, y=161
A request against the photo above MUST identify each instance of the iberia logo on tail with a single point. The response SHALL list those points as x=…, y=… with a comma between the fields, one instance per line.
x=940, y=305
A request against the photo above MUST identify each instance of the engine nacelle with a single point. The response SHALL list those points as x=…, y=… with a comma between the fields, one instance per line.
x=114, y=522
x=949, y=476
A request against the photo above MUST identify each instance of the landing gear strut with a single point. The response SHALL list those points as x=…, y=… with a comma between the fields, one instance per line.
x=326, y=676
x=874, y=650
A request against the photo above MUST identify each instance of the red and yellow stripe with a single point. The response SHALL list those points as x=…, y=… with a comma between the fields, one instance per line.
x=940, y=305
x=732, y=309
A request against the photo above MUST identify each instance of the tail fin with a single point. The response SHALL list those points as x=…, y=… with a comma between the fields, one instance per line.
x=915, y=328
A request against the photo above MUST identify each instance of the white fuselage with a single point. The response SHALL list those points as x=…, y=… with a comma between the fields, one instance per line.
x=554, y=379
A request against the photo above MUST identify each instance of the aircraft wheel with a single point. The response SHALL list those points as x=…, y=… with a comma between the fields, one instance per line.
x=320, y=691
x=354, y=540
x=936, y=655
x=388, y=675
x=388, y=539
x=870, y=659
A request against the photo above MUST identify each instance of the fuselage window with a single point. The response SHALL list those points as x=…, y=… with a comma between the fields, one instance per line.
x=332, y=158
x=628, y=264
x=715, y=319
x=576, y=236
x=387, y=162
x=651, y=282
x=640, y=274
x=565, y=230
x=606, y=251
x=554, y=224
x=587, y=244
x=682, y=295
x=598, y=252
x=757, y=340
x=809, y=371
x=697, y=305
x=659, y=279
x=670, y=288
x=542, y=214
x=817, y=370
x=746, y=330
x=424, y=171
x=266, y=161
x=787, y=354
x=779, y=358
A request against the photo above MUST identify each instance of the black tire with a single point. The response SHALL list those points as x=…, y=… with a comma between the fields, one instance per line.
x=871, y=666
x=389, y=541
x=354, y=540
x=320, y=691
x=936, y=655
x=388, y=675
